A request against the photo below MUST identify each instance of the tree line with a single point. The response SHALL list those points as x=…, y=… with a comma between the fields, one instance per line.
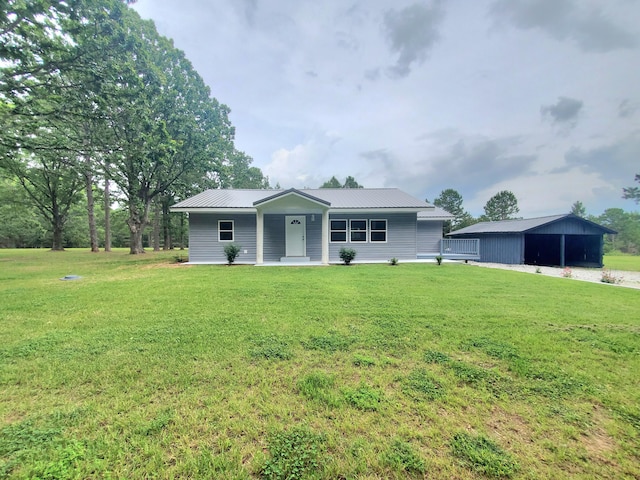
x=94, y=101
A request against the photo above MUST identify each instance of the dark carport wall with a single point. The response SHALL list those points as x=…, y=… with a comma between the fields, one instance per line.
x=563, y=250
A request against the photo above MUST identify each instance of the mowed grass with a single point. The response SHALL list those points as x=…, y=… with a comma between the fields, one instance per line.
x=145, y=368
x=629, y=263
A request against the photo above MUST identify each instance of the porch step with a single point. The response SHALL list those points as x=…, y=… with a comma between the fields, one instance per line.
x=295, y=259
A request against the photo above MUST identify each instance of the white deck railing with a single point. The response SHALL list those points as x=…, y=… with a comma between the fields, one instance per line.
x=455, y=247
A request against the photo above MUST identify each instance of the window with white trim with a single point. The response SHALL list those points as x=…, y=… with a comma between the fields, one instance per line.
x=225, y=230
x=378, y=230
x=338, y=231
x=358, y=231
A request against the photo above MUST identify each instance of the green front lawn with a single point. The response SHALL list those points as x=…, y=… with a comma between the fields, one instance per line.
x=145, y=368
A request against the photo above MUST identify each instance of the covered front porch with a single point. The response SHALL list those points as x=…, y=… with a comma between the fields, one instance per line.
x=305, y=232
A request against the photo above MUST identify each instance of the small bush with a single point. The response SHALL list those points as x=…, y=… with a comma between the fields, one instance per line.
x=363, y=398
x=538, y=270
x=482, y=455
x=347, y=255
x=566, y=272
x=439, y=259
x=401, y=457
x=294, y=454
x=180, y=258
x=231, y=251
x=608, y=277
x=393, y=261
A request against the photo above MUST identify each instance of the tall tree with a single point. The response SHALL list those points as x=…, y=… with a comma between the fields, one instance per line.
x=578, y=209
x=451, y=201
x=333, y=182
x=502, y=206
x=350, y=182
x=52, y=187
x=632, y=193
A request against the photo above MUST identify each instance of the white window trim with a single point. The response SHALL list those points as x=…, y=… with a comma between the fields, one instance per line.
x=233, y=231
x=346, y=230
x=366, y=230
x=386, y=230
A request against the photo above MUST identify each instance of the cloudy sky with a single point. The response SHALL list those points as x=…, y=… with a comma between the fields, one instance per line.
x=540, y=97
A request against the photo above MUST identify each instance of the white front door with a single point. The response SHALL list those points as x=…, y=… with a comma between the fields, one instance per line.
x=296, y=229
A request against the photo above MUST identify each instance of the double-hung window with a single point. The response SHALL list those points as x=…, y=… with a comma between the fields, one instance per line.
x=225, y=230
x=338, y=231
x=378, y=230
x=358, y=231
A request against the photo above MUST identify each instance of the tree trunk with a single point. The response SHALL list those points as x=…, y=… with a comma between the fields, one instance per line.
x=58, y=228
x=156, y=227
x=166, y=227
x=107, y=216
x=138, y=219
x=93, y=233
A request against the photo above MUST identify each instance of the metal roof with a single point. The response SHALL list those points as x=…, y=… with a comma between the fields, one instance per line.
x=520, y=225
x=435, y=213
x=342, y=198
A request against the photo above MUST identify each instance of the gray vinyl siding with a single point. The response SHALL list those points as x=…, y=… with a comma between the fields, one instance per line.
x=508, y=249
x=203, y=237
x=401, y=238
x=429, y=236
x=274, y=238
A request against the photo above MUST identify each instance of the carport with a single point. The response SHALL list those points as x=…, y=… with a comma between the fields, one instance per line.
x=558, y=240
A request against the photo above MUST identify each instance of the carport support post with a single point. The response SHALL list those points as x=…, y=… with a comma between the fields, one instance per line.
x=562, y=242
x=325, y=237
x=259, y=237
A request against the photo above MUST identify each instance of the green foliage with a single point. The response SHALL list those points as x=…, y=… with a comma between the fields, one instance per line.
x=472, y=375
x=420, y=384
x=333, y=182
x=433, y=356
x=294, y=454
x=493, y=348
x=231, y=251
x=502, y=206
x=627, y=224
x=331, y=342
x=363, y=361
x=439, y=259
x=319, y=386
x=64, y=465
x=579, y=209
x=271, y=347
x=632, y=193
x=401, y=457
x=483, y=455
x=393, y=262
x=347, y=255
x=451, y=201
x=363, y=397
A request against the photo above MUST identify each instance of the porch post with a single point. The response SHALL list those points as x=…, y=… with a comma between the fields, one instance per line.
x=562, y=244
x=325, y=236
x=259, y=237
